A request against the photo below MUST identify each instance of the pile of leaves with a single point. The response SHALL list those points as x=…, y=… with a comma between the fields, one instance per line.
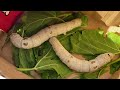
x=43, y=60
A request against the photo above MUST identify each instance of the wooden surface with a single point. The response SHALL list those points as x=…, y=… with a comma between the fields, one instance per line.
x=116, y=75
x=102, y=13
x=110, y=17
x=9, y=71
x=6, y=51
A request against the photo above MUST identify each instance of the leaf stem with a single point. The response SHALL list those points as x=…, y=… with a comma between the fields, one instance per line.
x=44, y=20
x=43, y=58
x=37, y=68
x=107, y=66
x=26, y=69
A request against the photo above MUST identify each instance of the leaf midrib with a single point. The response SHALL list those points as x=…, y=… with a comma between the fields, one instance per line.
x=44, y=20
x=83, y=49
x=43, y=58
x=92, y=45
x=107, y=45
x=36, y=68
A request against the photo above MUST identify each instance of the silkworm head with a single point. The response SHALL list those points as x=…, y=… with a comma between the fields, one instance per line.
x=111, y=55
x=16, y=39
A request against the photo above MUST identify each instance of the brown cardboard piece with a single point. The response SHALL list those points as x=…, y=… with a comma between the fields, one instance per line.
x=110, y=17
x=9, y=71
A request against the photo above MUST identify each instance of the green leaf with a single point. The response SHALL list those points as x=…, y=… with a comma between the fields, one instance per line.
x=36, y=51
x=89, y=57
x=30, y=57
x=24, y=17
x=114, y=67
x=84, y=21
x=23, y=59
x=92, y=75
x=15, y=53
x=92, y=42
x=58, y=66
x=26, y=57
x=43, y=58
x=65, y=39
x=114, y=37
x=49, y=61
x=49, y=74
x=102, y=71
x=37, y=20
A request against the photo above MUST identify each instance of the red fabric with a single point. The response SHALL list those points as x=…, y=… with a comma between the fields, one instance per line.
x=7, y=21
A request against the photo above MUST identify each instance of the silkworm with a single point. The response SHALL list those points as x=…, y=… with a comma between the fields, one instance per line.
x=113, y=29
x=44, y=34
x=77, y=64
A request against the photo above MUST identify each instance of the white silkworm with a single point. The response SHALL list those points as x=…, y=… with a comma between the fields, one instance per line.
x=44, y=34
x=77, y=64
x=113, y=29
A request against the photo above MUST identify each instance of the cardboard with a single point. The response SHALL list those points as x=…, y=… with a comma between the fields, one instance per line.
x=7, y=68
x=110, y=17
x=9, y=71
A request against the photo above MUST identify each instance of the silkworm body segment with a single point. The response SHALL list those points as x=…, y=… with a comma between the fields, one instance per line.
x=44, y=34
x=77, y=64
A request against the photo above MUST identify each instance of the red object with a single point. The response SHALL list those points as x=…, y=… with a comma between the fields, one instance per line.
x=8, y=19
